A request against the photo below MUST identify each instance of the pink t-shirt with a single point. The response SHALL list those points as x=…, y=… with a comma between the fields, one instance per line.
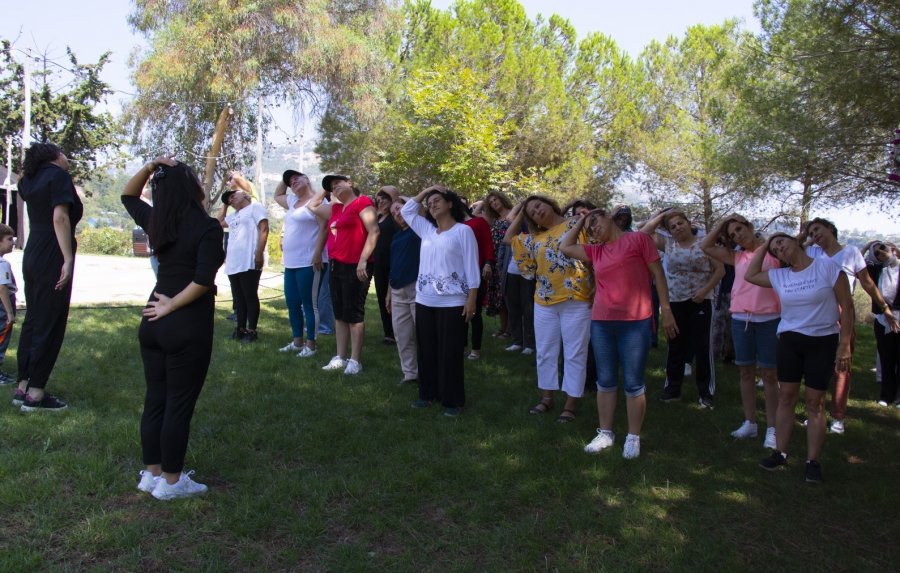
x=346, y=231
x=623, y=277
x=747, y=298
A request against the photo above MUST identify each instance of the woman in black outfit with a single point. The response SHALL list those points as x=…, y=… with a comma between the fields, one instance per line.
x=381, y=269
x=176, y=332
x=53, y=211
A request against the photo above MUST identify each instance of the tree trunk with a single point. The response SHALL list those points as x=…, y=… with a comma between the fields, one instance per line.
x=707, y=205
x=806, y=198
x=215, y=149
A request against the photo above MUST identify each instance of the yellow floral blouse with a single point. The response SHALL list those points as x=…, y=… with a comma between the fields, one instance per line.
x=559, y=278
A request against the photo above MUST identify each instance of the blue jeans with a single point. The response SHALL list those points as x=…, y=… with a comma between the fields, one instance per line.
x=755, y=342
x=301, y=288
x=625, y=342
x=326, y=311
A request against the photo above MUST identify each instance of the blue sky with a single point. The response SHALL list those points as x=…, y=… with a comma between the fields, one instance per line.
x=91, y=27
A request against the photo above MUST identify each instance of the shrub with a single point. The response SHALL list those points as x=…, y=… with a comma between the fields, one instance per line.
x=104, y=241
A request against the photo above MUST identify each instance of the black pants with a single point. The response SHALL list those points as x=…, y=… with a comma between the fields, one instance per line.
x=889, y=355
x=440, y=333
x=176, y=351
x=520, y=305
x=46, y=316
x=245, y=292
x=477, y=321
x=693, y=340
x=381, y=275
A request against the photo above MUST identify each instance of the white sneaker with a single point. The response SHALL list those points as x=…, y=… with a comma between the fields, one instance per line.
x=513, y=348
x=770, y=438
x=688, y=370
x=747, y=430
x=353, y=367
x=837, y=427
x=148, y=481
x=184, y=487
x=632, y=447
x=528, y=351
x=291, y=347
x=306, y=352
x=603, y=440
x=882, y=403
x=337, y=363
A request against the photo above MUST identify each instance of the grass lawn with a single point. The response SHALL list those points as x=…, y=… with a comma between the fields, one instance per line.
x=314, y=471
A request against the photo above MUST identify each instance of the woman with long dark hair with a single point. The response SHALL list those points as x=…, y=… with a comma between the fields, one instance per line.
x=381, y=257
x=496, y=207
x=53, y=211
x=176, y=332
x=884, y=268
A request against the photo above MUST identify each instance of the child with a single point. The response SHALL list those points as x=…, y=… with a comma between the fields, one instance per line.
x=7, y=297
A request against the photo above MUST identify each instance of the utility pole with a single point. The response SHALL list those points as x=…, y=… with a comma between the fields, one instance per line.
x=26, y=141
x=8, y=182
x=259, y=149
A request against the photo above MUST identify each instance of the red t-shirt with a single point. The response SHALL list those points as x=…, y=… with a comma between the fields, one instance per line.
x=346, y=231
x=623, y=277
x=483, y=237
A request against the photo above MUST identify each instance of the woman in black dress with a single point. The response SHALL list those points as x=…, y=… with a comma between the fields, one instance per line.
x=53, y=211
x=176, y=332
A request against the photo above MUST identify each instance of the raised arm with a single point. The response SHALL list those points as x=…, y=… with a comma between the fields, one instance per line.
x=868, y=285
x=650, y=226
x=569, y=245
x=516, y=215
x=135, y=186
x=713, y=249
x=318, y=209
x=755, y=275
x=281, y=195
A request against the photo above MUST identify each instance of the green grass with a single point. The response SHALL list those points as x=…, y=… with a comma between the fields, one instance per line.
x=314, y=471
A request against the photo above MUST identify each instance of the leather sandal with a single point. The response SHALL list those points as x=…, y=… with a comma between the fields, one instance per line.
x=542, y=407
x=564, y=418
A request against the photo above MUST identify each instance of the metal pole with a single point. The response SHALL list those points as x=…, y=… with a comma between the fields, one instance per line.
x=26, y=141
x=8, y=182
x=259, y=149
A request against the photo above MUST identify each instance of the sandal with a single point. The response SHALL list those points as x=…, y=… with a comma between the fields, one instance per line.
x=564, y=419
x=542, y=407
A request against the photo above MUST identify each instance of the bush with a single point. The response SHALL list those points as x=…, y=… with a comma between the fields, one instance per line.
x=104, y=241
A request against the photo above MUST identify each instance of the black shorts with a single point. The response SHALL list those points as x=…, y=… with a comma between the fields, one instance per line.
x=348, y=293
x=807, y=358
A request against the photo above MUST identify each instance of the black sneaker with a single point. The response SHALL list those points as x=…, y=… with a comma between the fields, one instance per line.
x=813, y=472
x=238, y=334
x=249, y=337
x=774, y=461
x=669, y=397
x=18, y=398
x=6, y=378
x=232, y=317
x=46, y=404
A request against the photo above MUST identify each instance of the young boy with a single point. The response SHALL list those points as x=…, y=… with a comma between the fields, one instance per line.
x=7, y=298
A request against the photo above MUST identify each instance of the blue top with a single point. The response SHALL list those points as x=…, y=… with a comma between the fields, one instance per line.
x=404, y=258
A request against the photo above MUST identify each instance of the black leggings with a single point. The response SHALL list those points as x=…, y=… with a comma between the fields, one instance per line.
x=477, y=321
x=244, y=291
x=44, y=327
x=694, y=322
x=176, y=350
x=381, y=275
x=889, y=354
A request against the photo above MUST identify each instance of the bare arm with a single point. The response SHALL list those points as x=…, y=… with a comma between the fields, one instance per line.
x=221, y=216
x=321, y=238
x=517, y=216
x=662, y=291
x=370, y=221
x=263, y=229
x=281, y=195
x=164, y=305
x=713, y=250
x=7, y=304
x=755, y=275
x=714, y=278
x=569, y=245
x=868, y=285
x=62, y=225
x=847, y=319
x=318, y=209
x=650, y=226
x=135, y=185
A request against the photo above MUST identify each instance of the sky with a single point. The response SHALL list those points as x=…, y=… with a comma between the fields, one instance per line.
x=91, y=27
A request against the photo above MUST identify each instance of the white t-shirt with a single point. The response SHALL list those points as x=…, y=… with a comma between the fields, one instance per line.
x=6, y=276
x=301, y=231
x=243, y=237
x=448, y=261
x=849, y=259
x=808, y=304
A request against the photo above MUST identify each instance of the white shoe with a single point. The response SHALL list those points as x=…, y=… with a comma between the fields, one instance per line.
x=184, y=487
x=747, y=430
x=882, y=403
x=759, y=383
x=306, y=352
x=353, y=367
x=770, y=438
x=632, y=447
x=528, y=351
x=513, y=348
x=688, y=370
x=603, y=440
x=337, y=363
x=837, y=427
x=148, y=481
x=291, y=347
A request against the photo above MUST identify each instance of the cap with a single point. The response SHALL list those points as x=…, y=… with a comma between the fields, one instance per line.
x=227, y=195
x=328, y=180
x=286, y=176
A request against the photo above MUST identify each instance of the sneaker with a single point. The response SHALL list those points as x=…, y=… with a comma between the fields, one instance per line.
x=46, y=404
x=405, y=381
x=769, y=442
x=881, y=403
x=184, y=487
x=353, y=367
x=759, y=383
x=420, y=403
x=603, y=440
x=249, y=337
x=18, y=397
x=6, y=378
x=514, y=348
x=667, y=396
x=747, y=430
x=632, y=447
x=148, y=481
x=706, y=403
x=291, y=348
x=232, y=317
x=688, y=370
x=837, y=427
x=528, y=351
x=774, y=461
x=306, y=352
x=813, y=472
x=238, y=334
x=452, y=412
x=337, y=363
x=473, y=356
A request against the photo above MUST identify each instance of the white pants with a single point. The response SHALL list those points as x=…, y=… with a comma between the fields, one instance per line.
x=569, y=322
x=403, y=318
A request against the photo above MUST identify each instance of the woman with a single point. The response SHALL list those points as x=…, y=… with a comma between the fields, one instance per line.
x=821, y=236
x=53, y=211
x=381, y=268
x=352, y=234
x=486, y=261
x=691, y=277
x=755, y=314
x=496, y=207
x=304, y=263
x=815, y=298
x=401, y=297
x=176, y=332
x=885, y=272
x=562, y=301
x=623, y=263
x=446, y=291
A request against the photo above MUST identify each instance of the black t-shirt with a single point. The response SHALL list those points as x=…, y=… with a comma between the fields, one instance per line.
x=49, y=187
x=386, y=230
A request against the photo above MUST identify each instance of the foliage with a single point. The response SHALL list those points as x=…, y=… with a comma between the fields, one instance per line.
x=104, y=241
x=103, y=204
